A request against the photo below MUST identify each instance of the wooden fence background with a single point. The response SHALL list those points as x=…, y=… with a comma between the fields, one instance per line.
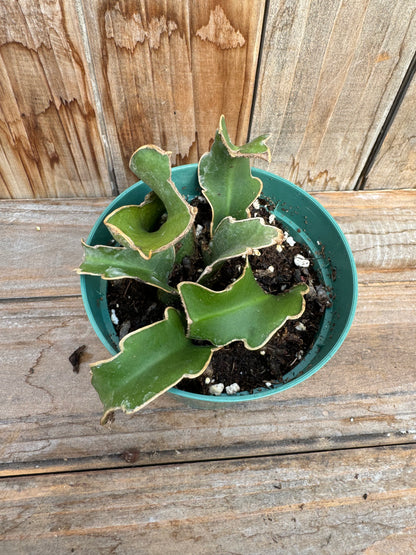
x=83, y=83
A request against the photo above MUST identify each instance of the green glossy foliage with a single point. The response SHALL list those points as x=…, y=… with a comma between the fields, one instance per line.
x=120, y=262
x=157, y=237
x=234, y=238
x=185, y=247
x=132, y=225
x=241, y=312
x=225, y=177
x=151, y=361
x=256, y=147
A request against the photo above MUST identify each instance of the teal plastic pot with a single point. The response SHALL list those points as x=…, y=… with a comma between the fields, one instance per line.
x=307, y=221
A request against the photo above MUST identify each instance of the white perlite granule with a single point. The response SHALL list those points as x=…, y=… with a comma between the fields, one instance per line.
x=301, y=261
x=113, y=317
x=232, y=389
x=216, y=388
x=289, y=239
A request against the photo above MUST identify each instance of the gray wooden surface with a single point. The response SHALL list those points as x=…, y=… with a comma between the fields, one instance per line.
x=325, y=467
x=361, y=500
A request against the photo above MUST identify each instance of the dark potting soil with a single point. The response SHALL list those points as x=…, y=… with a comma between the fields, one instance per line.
x=134, y=304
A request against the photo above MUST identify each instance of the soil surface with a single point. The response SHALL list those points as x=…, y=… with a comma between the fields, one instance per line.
x=133, y=304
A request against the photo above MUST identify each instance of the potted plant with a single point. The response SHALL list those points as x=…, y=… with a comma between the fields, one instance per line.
x=198, y=239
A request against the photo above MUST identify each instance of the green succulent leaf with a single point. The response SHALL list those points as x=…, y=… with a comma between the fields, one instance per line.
x=132, y=225
x=243, y=311
x=185, y=247
x=225, y=176
x=145, y=217
x=120, y=262
x=151, y=361
x=237, y=237
x=256, y=147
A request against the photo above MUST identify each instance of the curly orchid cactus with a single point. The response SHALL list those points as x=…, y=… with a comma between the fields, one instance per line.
x=158, y=234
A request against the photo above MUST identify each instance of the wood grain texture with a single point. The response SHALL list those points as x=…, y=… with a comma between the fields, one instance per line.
x=381, y=230
x=40, y=262
x=395, y=164
x=49, y=416
x=403, y=541
x=332, y=503
x=167, y=70
x=50, y=144
x=43, y=245
x=329, y=74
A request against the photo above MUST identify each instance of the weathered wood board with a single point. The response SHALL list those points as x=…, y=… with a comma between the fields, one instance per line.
x=49, y=416
x=50, y=143
x=331, y=502
x=380, y=227
x=329, y=74
x=40, y=262
x=166, y=71
x=395, y=164
x=163, y=72
x=43, y=245
x=326, y=467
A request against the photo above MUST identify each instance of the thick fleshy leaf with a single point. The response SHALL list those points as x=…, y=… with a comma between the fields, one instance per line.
x=243, y=311
x=145, y=217
x=237, y=237
x=255, y=147
x=120, y=262
x=185, y=247
x=225, y=177
x=151, y=361
x=131, y=227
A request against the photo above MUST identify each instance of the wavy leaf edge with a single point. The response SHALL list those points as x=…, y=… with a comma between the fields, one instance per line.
x=229, y=288
x=110, y=411
x=124, y=238
x=239, y=151
x=248, y=250
x=233, y=152
x=166, y=287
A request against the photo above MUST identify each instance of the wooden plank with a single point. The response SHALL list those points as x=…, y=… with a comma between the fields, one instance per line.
x=43, y=245
x=381, y=230
x=309, y=503
x=50, y=144
x=396, y=159
x=49, y=416
x=166, y=71
x=329, y=74
x=381, y=255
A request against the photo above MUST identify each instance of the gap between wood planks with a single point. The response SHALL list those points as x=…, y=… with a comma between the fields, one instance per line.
x=5, y=300
x=75, y=465
x=394, y=108
x=259, y=59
